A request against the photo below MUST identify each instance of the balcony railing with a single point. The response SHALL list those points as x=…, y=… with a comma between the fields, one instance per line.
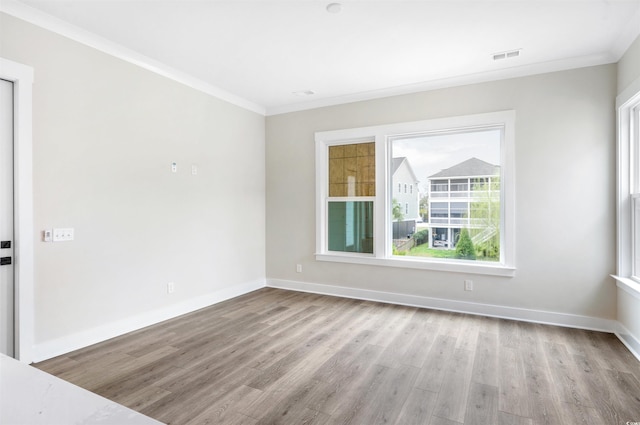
x=459, y=222
x=463, y=193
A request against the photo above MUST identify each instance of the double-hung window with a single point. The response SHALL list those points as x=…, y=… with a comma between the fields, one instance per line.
x=458, y=214
x=628, y=196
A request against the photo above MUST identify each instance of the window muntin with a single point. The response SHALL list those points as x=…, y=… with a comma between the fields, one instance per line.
x=389, y=193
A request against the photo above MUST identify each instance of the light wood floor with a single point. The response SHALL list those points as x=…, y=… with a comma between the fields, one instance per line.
x=280, y=357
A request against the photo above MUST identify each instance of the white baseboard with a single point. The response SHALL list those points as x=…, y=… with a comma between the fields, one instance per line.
x=59, y=346
x=53, y=348
x=630, y=341
x=503, y=312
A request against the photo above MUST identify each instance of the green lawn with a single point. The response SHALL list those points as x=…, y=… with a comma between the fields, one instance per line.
x=424, y=251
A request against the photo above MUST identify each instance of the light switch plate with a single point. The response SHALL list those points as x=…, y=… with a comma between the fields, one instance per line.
x=63, y=234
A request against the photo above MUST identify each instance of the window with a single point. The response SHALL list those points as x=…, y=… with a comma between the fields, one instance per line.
x=462, y=169
x=635, y=192
x=351, y=197
x=628, y=197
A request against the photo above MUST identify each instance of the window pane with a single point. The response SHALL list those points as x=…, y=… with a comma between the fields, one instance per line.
x=457, y=180
x=636, y=236
x=351, y=226
x=352, y=170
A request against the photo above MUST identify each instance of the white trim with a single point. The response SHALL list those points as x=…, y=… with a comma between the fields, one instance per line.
x=382, y=134
x=627, y=338
x=503, y=312
x=51, y=23
x=625, y=103
x=22, y=78
x=628, y=285
x=460, y=266
x=460, y=80
x=58, y=26
x=56, y=347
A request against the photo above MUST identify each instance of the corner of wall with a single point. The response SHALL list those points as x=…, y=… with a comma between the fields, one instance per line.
x=60, y=346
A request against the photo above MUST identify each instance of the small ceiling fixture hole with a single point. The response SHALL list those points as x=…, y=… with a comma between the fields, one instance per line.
x=334, y=8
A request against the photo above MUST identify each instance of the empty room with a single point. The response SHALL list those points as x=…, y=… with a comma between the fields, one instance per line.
x=311, y=212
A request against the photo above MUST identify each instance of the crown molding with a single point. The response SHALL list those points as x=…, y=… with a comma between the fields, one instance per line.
x=58, y=26
x=461, y=80
x=46, y=21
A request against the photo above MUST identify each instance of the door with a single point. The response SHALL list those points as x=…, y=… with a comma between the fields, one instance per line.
x=6, y=220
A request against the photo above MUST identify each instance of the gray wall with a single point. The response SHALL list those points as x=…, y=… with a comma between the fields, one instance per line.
x=104, y=135
x=565, y=181
x=629, y=66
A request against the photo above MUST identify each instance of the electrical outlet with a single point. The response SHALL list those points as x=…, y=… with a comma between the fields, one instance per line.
x=298, y=268
x=468, y=285
x=170, y=288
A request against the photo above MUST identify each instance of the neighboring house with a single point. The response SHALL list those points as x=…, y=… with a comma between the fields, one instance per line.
x=405, y=188
x=461, y=197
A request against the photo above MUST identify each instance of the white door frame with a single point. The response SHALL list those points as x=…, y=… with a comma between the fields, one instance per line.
x=22, y=78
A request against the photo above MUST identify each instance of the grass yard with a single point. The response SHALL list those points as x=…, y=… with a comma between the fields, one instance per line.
x=424, y=251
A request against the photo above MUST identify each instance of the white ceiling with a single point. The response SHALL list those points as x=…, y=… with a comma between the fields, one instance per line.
x=262, y=51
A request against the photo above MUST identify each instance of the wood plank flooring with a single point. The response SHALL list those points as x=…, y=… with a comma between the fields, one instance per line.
x=281, y=357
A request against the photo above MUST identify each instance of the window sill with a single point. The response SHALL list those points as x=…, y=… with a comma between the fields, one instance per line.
x=468, y=267
x=628, y=285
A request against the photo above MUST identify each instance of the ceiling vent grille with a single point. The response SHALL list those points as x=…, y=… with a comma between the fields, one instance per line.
x=303, y=93
x=506, y=55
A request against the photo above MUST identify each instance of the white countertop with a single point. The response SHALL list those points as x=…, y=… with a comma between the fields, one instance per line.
x=29, y=396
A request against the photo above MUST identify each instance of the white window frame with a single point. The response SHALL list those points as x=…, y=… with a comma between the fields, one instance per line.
x=628, y=183
x=381, y=135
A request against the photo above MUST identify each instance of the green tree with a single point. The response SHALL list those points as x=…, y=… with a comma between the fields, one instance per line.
x=464, y=247
x=424, y=208
x=396, y=211
x=421, y=237
x=485, y=215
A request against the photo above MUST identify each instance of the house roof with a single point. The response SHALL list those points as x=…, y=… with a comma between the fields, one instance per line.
x=468, y=168
x=397, y=162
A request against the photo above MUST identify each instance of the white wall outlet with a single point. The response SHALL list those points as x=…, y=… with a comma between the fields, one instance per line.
x=63, y=234
x=194, y=169
x=47, y=235
x=170, y=288
x=174, y=167
x=468, y=285
x=298, y=268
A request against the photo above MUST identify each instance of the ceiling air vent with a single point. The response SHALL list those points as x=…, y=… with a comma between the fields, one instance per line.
x=304, y=93
x=506, y=55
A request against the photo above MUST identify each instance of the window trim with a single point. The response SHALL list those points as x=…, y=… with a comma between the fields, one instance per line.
x=628, y=178
x=382, y=135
